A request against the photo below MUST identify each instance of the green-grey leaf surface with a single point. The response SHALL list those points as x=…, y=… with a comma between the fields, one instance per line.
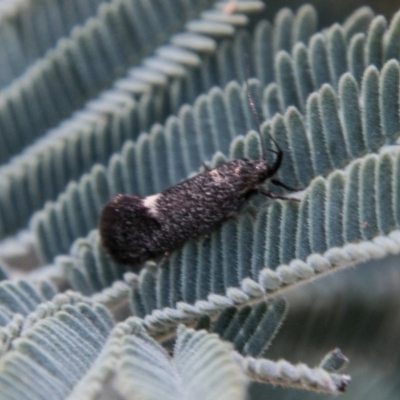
x=203, y=367
x=81, y=83
x=115, y=116
x=53, y=347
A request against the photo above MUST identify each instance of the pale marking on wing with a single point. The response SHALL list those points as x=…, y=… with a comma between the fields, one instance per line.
x=151, y=203
x=216, y=175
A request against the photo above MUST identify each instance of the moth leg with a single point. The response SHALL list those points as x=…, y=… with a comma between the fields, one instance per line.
x=277, y=182
x=272, y=195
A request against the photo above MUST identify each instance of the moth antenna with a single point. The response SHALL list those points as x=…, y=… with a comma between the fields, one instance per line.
x=253, y=107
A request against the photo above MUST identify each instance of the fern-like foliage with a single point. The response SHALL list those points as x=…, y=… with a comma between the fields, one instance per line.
x=46, y=353
x=119, y=114
x=133, y=96
x=203, y=368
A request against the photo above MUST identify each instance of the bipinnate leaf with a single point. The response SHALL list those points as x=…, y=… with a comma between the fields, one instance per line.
x=21, y=48
x=306, y=231
x=298, y=376
x=22, y=297
x=117, y=115
x=46, y=353
x=202, y=367
x=251, y=329
x=111, y=70
x=111, y=109
x=340, y=210
x=365, y=197
x=109, y=42
x=334, y=131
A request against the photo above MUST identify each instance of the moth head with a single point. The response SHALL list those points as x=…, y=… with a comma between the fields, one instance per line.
x=264, y=171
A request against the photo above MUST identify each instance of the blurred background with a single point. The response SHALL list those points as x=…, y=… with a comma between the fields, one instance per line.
x=331, y=11
x=356, y=310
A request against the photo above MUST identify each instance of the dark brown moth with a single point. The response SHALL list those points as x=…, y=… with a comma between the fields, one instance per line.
x=135, y=229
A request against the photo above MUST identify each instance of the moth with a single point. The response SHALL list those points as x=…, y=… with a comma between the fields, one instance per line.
x=136, y=229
